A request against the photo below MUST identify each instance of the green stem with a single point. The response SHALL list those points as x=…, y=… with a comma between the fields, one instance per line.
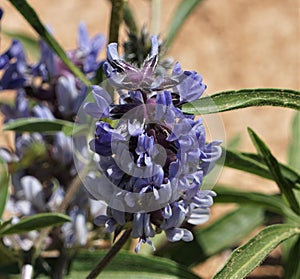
x=115, y=20
x=129, y=19
x=109, y=256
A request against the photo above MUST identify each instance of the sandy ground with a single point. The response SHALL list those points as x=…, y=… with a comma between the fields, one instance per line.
x=234, y=44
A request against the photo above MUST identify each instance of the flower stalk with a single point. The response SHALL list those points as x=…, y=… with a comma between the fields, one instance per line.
x=110, y=255
x=115, y=20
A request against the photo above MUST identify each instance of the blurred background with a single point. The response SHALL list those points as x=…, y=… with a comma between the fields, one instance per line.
x=233, y=44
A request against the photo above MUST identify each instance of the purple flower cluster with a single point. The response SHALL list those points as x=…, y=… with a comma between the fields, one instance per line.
x=152, y=156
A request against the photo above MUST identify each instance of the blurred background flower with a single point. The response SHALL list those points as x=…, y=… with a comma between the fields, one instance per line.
x=41, y=164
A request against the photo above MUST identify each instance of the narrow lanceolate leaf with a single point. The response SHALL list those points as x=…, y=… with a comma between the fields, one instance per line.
x=127, y=265
x=39, y=125
x=224, y=233
x=291, y=265
x=4, y=185
x=291, y=248
x=35, y=222
x=294, y=148
x=244, y=98
x=269, y=202
x=31, y=16
x=255, y=164
x=182, y=12
x=284, y=185
x=245, y=258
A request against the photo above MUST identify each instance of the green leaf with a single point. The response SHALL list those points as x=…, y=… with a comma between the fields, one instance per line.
x=255, y=164
x=284, y=185
x=182, y=12
x=231, y=100
x=291, y=247
x=9, y=260
x=31, y=16
x=126, y=265
x=294, y=147
x=39, y=125
x=30, y=44
x=248, y=256
x=4, y=185
x=289, y=174
x=35, y=222
x=223, y=233
x=270, y=202
x=292, y=266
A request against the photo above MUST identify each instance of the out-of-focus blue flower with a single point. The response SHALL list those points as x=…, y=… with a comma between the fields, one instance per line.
x=43, y=112
x=49, y=79
x=103, y=101
x=30, y=197
x=85, y=56
x=88, y=49
x=20, y=110
x=154, y=157
x=75, y=232
x=67, y=94
x=62, y=148
x=46, y=66
x=191, y=87
x=42, y=163
x=14, y=65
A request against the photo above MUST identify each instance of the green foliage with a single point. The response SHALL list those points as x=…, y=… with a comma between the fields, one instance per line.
x=294, y=147
x=127, y=265
x=245, y=258
x=285, y=186
x=291, y=265
x=255, y=164
x=231, y=100
x=273, y=203
x=40, y=125
x=248, y=256
x=34, y=222
x=291, y=247
x=234, y=226
x=4, y=185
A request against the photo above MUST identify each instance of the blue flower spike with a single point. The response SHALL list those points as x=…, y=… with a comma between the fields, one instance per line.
x=154, y=158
